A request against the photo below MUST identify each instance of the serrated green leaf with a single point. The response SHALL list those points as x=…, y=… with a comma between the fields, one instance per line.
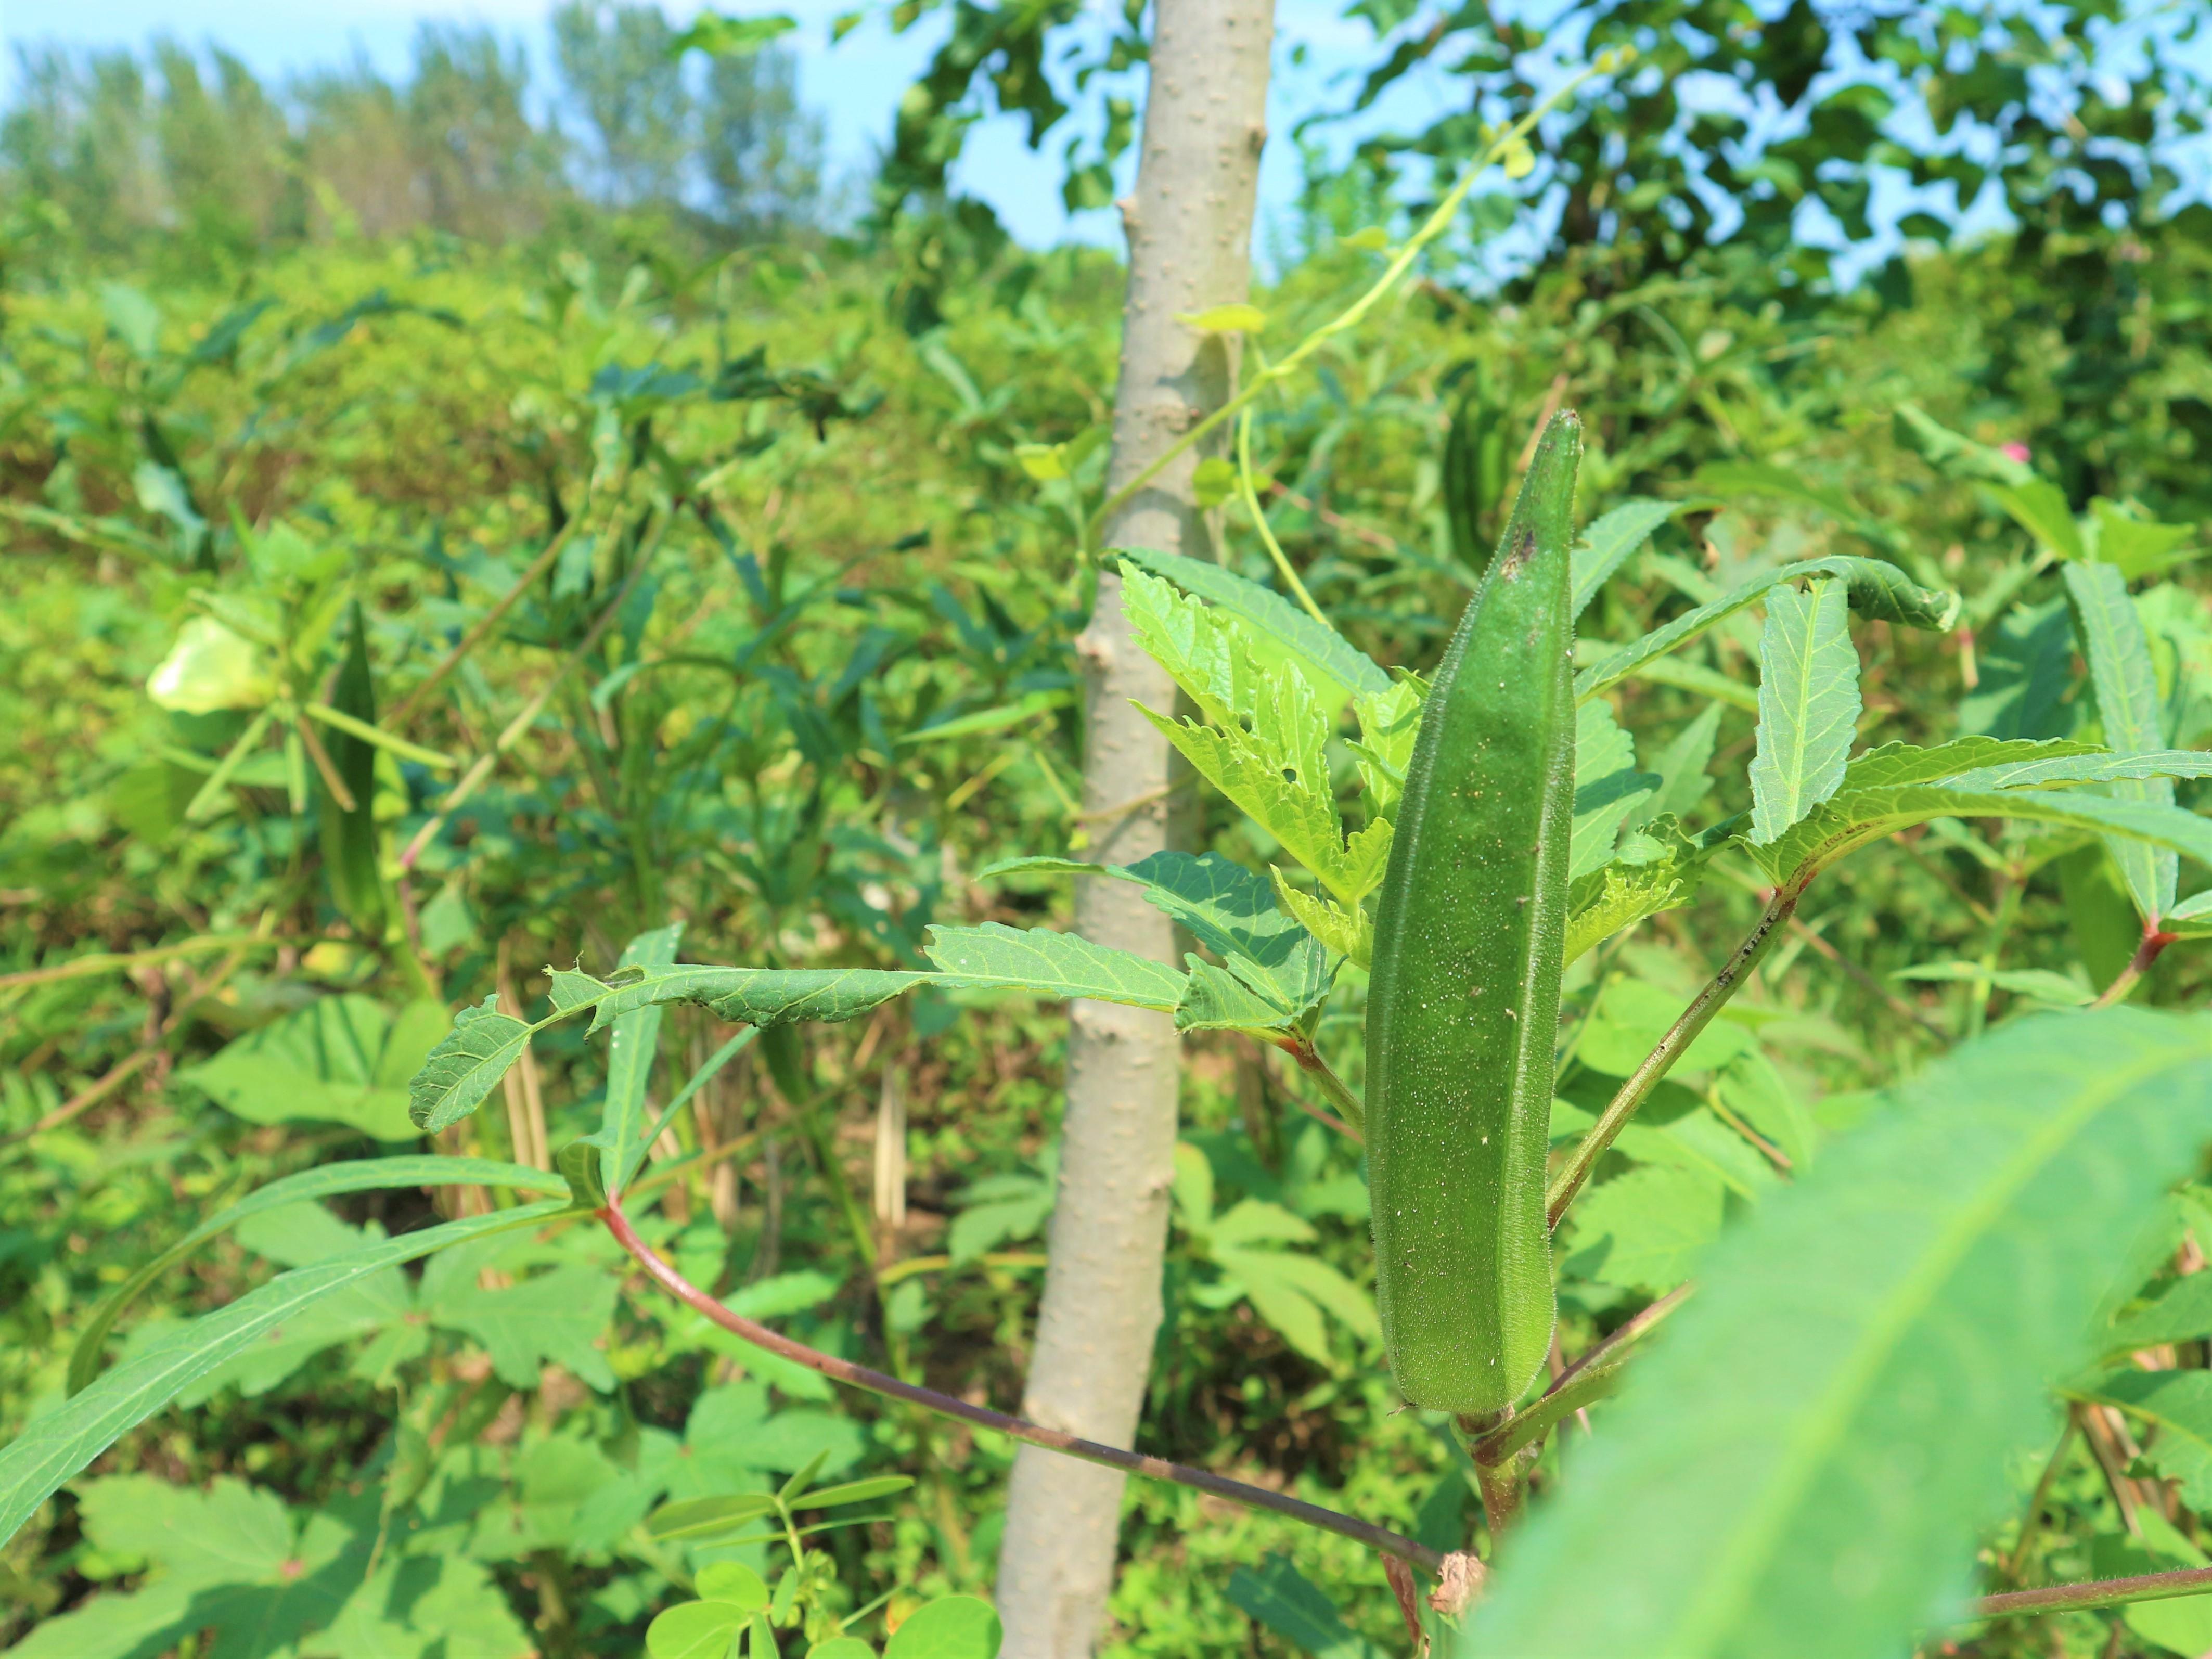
x=1276, y=630
x=464, y=1066
x=1854, y=819
x=2026, y=664
x=999, y=957
x=1349, y=932
x=1903, y=762
x=572, y=989
x=630, y=1054
x=1279, y=779
x=56, y=1446
x=1622, y=894
x=1215, y=1000
x=1865, y=1351
x=1608, y=544
x=1390, y=721
x=762, y=997
x=1645, y=1229
x=1229, y=909
x=1808, y=705
x=2065, y=771
x=2130, y=711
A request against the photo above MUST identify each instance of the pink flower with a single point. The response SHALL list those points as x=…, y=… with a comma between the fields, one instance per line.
x=2014, y=451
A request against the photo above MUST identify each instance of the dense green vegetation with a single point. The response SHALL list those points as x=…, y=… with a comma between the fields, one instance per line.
x=582, y=561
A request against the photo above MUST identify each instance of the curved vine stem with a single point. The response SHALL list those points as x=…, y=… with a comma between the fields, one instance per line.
x=1351, y=316
x=1250, y=494
x=1381, y=1539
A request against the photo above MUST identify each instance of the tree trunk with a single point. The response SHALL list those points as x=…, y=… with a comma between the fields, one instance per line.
x=1190, y=235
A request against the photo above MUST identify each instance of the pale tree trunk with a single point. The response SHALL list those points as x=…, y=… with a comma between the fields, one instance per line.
x=1190, y=237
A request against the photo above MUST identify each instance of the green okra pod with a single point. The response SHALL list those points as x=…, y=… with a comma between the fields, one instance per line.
x=1462, y=1008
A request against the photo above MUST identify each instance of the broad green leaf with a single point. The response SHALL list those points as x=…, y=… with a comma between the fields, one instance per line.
x=465, y=1065
x=1865, y=1351
x=2179, y=1404
x=1609, y=789
x=951, y=1627
x=1855, y=818
x=1213, y=654
x=2040, y=507
x=732, y=1581
x=1215, y=1000
x=2027, y=663
x=2130, y=711
x=341, y=1060
x=696, y=1629
x=2135, y=547
x=1278, y=630
x=996, y=957
x=1228, y=909
x=1875, y=589
x=2039, y=983
x=997, y=1209
x=1606, y=544
x=1288, y=1603
x=211, y=668
x=2183, y=1315
x=1645, y=1229
x=58, y=1444
x=556, y=1316
x=630, y=1054
x=1808, y=705
x=731, y=37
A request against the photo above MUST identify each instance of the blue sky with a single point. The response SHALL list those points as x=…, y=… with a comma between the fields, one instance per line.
x=854, y=84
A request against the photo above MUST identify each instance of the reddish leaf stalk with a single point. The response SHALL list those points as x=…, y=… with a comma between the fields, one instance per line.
x=1381, y=1539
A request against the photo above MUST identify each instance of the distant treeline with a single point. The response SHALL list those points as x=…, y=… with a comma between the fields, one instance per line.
x=114, y=147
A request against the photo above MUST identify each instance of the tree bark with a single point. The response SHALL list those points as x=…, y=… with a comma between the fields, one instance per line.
x=1189, y=226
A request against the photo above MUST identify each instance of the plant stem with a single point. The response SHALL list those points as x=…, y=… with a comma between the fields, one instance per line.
x=1300, y=1048
x=1035, y=1434
x=2154, y=942
x=1251, y=498
x=2096, y=1593
x=1656, y=1064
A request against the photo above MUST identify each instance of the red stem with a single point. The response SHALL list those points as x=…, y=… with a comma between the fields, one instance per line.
x=1091, y=1451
